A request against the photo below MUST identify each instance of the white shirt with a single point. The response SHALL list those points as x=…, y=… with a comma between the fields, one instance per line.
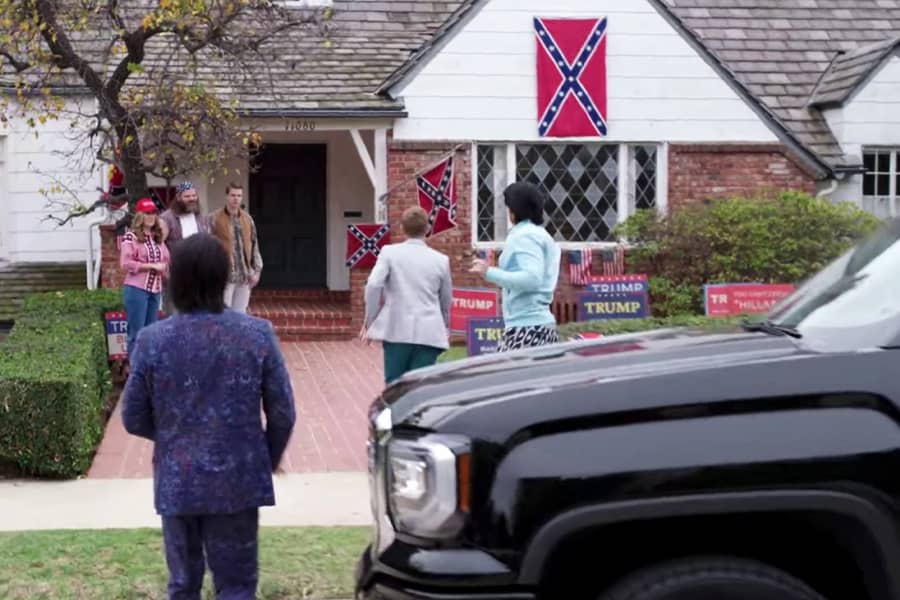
x=188, y=225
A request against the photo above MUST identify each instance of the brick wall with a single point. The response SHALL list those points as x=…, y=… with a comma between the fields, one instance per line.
x=700, y=172
x=405, y=160
x=111, y=275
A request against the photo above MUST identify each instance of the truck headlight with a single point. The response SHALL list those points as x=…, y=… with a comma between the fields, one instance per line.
x=428, y=484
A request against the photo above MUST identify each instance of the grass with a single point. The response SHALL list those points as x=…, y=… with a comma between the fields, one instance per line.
x=294, y=563
x=453, y=353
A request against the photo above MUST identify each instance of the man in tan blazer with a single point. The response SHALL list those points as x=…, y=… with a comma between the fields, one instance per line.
x=408, y=297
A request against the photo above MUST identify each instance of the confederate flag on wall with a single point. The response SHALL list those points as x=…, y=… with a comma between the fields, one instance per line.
x=571, y=77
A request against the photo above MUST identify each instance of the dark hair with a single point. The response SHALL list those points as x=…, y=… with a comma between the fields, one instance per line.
x=414, y=222
x=525, y=201
x=232, y=186
x=198, y=274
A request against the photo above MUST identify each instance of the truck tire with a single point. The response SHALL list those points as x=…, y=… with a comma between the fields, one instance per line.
x=710, y=578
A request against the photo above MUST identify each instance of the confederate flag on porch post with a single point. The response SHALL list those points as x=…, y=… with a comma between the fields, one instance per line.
x=437, y=196
x=571, y=77
x=364, y=243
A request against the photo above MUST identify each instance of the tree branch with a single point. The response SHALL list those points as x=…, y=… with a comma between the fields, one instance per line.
x=64, y=53
x=17, y=64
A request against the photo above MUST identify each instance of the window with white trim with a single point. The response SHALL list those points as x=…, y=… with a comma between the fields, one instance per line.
x=590, y=187
x=881, y=182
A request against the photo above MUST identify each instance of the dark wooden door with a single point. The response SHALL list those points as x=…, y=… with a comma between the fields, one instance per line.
x=287, y=201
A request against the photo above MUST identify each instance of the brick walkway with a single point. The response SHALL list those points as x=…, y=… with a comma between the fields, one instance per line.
x=334, y=383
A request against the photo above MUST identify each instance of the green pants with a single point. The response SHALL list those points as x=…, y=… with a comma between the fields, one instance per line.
x=400, y=358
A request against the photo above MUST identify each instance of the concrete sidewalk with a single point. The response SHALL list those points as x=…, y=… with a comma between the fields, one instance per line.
x=320, y=499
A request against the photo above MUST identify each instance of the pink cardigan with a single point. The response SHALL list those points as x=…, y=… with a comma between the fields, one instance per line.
x=134, y=254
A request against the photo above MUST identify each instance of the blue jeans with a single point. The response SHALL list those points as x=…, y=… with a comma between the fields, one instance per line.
x=141, y=307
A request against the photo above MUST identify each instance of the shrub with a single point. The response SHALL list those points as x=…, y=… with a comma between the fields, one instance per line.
x=621, y=326
x=54, y=378
x=780, y=240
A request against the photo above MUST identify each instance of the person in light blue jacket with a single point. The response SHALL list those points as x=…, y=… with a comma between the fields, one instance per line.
x=527, y=272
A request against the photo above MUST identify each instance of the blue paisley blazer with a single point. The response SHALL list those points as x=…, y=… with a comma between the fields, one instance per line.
x=196, y=386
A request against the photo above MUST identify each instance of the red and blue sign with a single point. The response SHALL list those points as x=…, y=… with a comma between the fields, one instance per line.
x=614, y=297
x=117, y=334
x=483, y=336
x=471, y=303
x=734, y=299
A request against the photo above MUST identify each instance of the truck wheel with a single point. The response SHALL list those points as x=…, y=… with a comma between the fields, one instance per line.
x=710, y=579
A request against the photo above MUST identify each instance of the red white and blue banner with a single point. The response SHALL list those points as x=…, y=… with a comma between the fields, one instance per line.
x=437, y=196
x=364, y=244
x=571, y=77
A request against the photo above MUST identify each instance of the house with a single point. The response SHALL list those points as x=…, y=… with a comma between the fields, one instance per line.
x=705, y=98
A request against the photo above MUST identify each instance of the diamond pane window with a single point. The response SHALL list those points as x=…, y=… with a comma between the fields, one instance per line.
x=581, y=183
x=485, y=193
x=644, y=177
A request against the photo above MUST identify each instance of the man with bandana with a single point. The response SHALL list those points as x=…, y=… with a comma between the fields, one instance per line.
x=181, y=221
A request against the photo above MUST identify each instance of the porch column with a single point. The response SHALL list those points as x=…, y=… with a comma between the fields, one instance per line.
x=376, y=170
x=381, y=175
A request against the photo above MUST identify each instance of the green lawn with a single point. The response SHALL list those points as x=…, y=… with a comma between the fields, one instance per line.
x=128, y=564
x=454, y=353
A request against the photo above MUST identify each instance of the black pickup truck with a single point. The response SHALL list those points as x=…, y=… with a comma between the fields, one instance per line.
x=755, y=464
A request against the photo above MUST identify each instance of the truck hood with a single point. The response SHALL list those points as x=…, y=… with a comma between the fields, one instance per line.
x=431, y=397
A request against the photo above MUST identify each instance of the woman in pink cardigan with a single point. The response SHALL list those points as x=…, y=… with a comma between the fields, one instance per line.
x=145, y=260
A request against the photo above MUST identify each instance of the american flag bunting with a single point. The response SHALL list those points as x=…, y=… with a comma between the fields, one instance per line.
x=580, y=266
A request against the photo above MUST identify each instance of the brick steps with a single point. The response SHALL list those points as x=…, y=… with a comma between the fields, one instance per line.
x=305, y=315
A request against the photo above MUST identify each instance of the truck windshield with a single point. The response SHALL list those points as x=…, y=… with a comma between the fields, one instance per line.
x=852, y=303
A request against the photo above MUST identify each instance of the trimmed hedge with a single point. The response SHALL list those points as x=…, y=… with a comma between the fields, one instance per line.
x=620, y=326
x=54, y=378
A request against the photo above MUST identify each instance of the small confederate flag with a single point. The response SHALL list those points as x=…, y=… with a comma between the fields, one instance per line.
x=613, y=261
x=571, y=77
x=364, y=243
x=580, y=266
x=437, y=197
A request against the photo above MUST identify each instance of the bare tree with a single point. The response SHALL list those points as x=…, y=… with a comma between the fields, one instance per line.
x=146, y=65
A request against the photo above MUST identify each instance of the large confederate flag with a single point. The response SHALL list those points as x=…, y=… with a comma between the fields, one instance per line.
x=437, y=196
x=571, y=77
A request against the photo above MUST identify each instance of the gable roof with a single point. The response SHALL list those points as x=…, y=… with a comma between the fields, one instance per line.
x=781, y=50
x=772, y=53
x=849, y=71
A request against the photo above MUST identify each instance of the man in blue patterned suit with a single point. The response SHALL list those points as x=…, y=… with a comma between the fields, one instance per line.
x=196, y=383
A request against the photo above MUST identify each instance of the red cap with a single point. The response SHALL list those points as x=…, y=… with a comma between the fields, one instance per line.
x=145, y=205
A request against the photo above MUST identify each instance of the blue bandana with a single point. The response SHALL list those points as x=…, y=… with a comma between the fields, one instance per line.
x=183, y=187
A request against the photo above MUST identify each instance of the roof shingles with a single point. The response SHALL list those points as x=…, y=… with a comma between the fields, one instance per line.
x=800, y=41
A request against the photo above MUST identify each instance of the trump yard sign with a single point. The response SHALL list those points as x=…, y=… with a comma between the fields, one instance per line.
x=614, y=297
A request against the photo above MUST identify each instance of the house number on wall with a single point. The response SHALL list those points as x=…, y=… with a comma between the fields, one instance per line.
x=300, y=126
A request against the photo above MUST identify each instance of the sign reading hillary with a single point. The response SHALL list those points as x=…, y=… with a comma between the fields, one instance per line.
x=571, y=77
x=470, y=303
x=615, y=297
x=483, y=335
x=733, y=299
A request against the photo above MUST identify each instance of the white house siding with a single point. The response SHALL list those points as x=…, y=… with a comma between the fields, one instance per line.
x=32, y=163
x=482, y=84
x=868, y=120
x=347, y=187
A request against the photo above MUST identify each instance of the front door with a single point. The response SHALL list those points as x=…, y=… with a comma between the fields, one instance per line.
x=287, y=201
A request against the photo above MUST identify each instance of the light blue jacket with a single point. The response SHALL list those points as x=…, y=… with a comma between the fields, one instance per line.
x=527, y=272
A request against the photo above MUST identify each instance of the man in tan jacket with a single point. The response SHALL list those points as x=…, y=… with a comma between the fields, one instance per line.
x=234, y=227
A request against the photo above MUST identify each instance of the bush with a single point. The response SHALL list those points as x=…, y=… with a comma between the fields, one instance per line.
x=54, y=378
x=622, y=326
x=781, y=240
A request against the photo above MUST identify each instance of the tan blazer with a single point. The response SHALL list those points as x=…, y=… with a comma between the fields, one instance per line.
x=408, y=295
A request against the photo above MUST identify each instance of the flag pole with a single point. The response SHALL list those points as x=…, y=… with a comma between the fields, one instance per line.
x=419, y=173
